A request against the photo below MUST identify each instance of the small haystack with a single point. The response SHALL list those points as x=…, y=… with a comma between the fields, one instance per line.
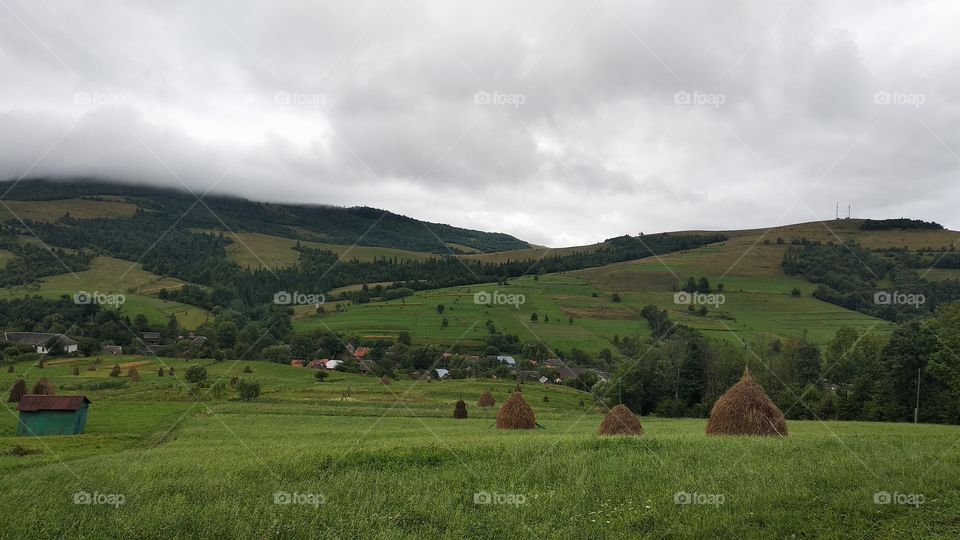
x=516, y=414
x=160, y=372
x=746, y=410
x=460, y=410
x=384, y=380
x=546, y=399
x=43, y=388
x=581, y=403
x=115, y=371
x=134, y=375
x=486, y=400
x=620, y=421
x=170, y=371
x=92, y=367
x=245, y=370
x=17, y=391
x=76, y=370
x=10, y=369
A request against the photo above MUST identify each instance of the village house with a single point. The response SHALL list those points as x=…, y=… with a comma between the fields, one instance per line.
x=42, y=343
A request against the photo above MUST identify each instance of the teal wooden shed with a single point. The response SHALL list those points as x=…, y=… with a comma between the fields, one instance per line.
x=52, y=415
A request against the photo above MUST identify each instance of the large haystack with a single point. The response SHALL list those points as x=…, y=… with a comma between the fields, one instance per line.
x=486, y=400
x=515, y=413
x=620, y=421
x=43, y=388
x=17, y=391
x=460, y=410
x=746, y=410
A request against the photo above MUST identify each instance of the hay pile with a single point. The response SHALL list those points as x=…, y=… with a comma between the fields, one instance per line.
x=10, y=369
x=486, y=400
x=546, y=399
x=92, y=367
x=43, y=388
x=516, y=414
x=460, y=410
x=76, y=370
x=581, y=403
x=384, y=380
x=245, y=370
x=620, y=421
x=160, y=372
x=134, y=375
x=115, y=371
x=17, y=391
x=746, y=410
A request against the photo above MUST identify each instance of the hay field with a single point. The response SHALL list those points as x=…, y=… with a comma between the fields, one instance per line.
x=390, y=462
x=51, y=211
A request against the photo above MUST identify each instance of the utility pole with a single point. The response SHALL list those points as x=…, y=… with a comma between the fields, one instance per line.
x=916, y=409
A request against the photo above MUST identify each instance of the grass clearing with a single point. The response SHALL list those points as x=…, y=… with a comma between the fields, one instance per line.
x=52, y=211
x=389, y=462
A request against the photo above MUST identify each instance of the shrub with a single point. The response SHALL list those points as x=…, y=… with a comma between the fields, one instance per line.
x=218, y=389
x=321, y=375
x=10, y=369
x=249, y=390
x=247, y=370
x=196, y=374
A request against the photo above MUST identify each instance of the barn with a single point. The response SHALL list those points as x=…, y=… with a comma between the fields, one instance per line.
x=52, y=415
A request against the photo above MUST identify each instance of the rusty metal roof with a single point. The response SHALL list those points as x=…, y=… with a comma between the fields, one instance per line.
x=34, y=402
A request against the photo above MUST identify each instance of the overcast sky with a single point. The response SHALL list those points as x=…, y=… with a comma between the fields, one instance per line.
x=558, y=122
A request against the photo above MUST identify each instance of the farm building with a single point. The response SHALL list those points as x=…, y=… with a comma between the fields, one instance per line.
x=332, y=364
x=507, y=360
x=296, y=362
x=112, y=350
x=442, y=373
x=52, y=415
x=317, y=364
x=41, y=342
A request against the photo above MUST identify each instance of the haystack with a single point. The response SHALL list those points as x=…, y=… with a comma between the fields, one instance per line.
x=515, y=413
x=17, y=391
x=160, y=372
x=76, y=370
x=486, y=400
x=460, y=410
x=384, y=380
x=43, y=388
x=92, y=367
x=746, y=410
x=546, y=399
x=115, y=371
x=134, y=375
x=620, y=421
x=10, y=369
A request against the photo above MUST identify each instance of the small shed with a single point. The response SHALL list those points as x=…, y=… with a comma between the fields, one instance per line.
x=52, y=415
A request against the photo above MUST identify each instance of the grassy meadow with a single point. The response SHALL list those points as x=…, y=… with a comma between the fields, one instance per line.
x=350, y=457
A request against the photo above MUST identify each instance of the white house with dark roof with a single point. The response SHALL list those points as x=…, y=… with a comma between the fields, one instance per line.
x=42, y=342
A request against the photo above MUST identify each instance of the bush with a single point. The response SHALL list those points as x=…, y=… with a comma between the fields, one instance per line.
x=218, y=389
x=247, y=370
x=196, y=374
x=249, y=390
x=321, y=375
